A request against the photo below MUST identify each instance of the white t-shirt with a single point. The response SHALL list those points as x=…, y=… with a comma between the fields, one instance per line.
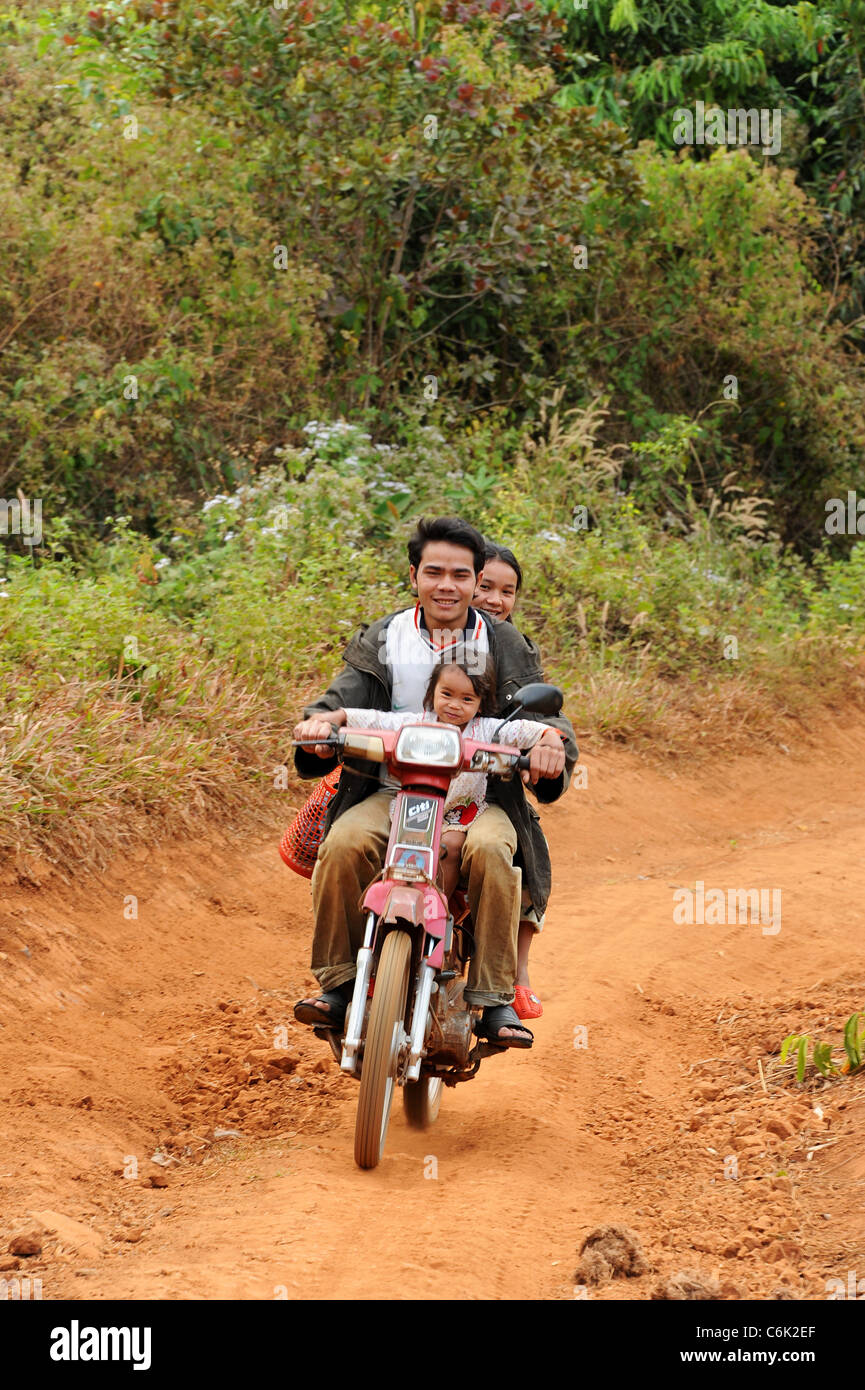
x=467, y=788
x=410, y=656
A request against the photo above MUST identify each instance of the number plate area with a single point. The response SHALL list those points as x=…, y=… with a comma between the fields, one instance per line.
x=413, y=836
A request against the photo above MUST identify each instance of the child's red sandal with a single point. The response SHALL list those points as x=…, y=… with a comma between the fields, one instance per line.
x=526, y=1004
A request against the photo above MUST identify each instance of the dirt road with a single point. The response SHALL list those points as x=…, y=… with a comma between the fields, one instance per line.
x=126, y=1035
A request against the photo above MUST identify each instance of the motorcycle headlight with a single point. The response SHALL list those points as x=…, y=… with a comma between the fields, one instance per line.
x=429, y=743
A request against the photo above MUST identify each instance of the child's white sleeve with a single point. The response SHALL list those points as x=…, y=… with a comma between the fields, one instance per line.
x=379, y=719
x=522, y=733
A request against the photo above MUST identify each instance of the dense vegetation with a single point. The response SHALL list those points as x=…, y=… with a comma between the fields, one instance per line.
x=274, y=280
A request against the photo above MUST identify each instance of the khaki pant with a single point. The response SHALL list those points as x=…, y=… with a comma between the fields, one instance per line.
x=351, y=855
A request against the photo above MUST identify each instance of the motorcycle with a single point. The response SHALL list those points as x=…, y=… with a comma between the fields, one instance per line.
x=408, y=1023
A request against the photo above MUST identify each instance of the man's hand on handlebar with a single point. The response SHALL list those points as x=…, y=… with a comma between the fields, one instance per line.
x=546, y=759
x=311, y=729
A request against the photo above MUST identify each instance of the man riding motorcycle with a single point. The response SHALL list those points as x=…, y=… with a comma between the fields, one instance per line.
x=387, y=667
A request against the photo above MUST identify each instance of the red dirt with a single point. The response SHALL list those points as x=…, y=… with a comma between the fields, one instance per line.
x=124, y=1038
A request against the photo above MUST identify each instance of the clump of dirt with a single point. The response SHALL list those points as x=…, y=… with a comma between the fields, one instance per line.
x=687, y=1285
x=248, y=1068
x=30, y=1243
x=608, y=1251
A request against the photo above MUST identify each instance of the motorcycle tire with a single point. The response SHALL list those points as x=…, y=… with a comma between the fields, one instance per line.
x=421, y=1101
x=378, y=1074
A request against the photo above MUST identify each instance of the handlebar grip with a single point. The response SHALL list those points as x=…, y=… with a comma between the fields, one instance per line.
x=523, y=762
x=334, y=741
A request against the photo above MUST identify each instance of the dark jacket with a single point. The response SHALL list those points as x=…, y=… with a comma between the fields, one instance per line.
x=365, y=683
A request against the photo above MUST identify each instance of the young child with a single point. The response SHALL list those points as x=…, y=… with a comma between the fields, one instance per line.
x=461, y=692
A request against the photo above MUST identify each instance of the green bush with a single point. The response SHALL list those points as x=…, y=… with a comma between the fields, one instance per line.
x=147, y=330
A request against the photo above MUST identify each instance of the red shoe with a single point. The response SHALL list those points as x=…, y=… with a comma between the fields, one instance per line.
x=526, y=1004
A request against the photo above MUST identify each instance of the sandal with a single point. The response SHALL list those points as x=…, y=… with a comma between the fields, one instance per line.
x=497, y=1017
x=526, y=1003
x=328, y=1010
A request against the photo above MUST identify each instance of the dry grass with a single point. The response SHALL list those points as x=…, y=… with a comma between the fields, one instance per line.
x=86, y=773
x=699, y=719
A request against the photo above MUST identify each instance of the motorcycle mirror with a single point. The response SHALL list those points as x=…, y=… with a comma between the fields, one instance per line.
x=538, y=698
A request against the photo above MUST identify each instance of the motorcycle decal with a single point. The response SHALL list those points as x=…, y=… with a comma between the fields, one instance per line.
x=418, y=814
x=411, y=858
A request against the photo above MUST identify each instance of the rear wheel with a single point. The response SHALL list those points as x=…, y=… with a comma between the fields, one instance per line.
x=381, y=1049
x=421, y=1101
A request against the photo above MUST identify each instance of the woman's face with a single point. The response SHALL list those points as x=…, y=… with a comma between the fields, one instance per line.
x=496, y=593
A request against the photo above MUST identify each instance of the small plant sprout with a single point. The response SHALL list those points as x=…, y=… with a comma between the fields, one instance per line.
x=821, y=1052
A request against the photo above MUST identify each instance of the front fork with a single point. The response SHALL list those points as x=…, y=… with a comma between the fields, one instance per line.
x=351, y=1041
x=423, y=994
x=357, y=1009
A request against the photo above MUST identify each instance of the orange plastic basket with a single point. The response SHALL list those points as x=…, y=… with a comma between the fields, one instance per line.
x=299, y=844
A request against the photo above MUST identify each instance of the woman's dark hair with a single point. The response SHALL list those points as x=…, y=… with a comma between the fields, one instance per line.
x=446, y=528
x=507, y=557
x=475, y=664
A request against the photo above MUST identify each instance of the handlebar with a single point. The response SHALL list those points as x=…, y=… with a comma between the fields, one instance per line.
x=336, y=741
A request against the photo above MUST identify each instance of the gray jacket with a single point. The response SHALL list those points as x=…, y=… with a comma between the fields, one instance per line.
x=365, y=683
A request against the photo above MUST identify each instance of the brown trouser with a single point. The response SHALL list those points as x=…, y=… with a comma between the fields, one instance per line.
x=351, y=855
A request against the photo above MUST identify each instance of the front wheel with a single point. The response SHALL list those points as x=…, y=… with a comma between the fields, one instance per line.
x=381, y=1049
x=421, y=1101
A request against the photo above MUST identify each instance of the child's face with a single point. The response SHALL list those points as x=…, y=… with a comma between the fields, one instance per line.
x=454, y=699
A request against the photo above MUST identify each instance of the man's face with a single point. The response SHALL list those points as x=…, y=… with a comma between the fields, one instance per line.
x=445, y=581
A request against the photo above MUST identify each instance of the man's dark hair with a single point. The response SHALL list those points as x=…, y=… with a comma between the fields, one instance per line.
x=447, y=528
x=477, y=665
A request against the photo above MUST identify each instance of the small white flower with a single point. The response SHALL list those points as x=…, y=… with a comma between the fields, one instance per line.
x=229, y=536
x=162, y=563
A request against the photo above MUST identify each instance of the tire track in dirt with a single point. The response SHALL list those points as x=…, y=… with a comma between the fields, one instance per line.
x=124, y=1038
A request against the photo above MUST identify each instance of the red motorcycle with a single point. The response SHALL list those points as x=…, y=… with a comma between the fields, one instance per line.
x=408, y=1023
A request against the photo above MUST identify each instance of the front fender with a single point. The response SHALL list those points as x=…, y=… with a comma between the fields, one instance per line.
x=404, y=904
x=422, y=906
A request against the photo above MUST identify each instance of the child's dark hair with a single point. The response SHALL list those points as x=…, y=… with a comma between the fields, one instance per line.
x=475, y=664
